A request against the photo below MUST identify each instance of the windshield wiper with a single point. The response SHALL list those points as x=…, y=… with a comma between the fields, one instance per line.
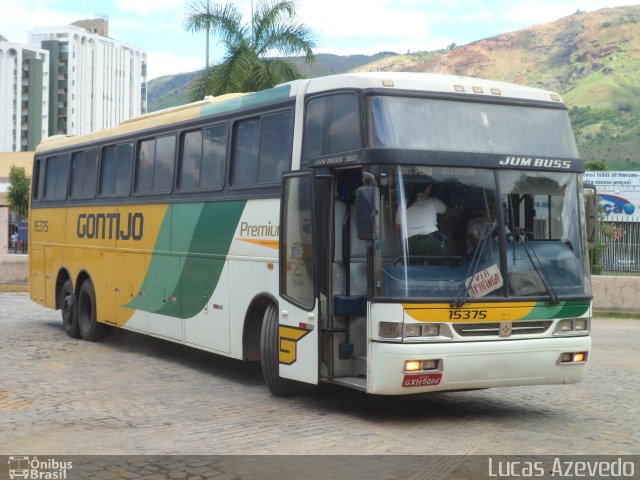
x=462, y=297
x=545, y=281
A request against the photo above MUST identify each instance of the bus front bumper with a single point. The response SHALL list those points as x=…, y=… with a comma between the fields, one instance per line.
x=473, y=365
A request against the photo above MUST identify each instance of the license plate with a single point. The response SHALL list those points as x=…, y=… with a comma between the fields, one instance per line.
x=424, y=380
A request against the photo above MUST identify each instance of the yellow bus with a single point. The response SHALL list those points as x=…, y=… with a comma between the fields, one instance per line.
x=394, y=233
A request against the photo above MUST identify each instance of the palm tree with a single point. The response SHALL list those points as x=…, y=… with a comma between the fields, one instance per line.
x=249, y=64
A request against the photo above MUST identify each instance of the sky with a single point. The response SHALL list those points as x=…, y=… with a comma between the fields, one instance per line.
x=342, y=27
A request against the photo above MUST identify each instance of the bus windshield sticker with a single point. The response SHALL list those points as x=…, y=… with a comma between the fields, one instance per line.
x=484, y=282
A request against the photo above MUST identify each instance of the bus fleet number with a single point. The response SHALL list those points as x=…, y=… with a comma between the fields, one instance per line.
x=467, y=314
x=41, y=226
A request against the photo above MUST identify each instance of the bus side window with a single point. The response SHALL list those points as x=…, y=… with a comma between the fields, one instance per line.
x=115, y=173
x=155, y=165
x=56, y=177
x=84, y=172
x=124, y=161
x=245, y=152
x=262, y=149
x=204, y=159
x=38, y=182
x=275, y=147
x=214, y=157
x=331, y=125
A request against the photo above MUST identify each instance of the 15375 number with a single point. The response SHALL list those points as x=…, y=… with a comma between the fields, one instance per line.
x=467, y=314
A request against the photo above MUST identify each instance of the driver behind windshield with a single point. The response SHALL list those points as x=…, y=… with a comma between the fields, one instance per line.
x=421, y=232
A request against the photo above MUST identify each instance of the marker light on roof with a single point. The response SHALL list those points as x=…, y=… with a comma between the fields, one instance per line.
x=459, y=88
x=496, y=91
x=477, y=90
x=387, y=83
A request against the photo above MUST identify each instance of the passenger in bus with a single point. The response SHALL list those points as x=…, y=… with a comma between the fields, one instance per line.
x=422, y=234
x=482, y=226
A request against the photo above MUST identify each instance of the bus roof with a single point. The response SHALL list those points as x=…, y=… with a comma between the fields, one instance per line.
x=421, y=82
x=431, y=82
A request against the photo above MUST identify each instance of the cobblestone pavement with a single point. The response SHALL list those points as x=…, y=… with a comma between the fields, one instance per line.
x=133, y=394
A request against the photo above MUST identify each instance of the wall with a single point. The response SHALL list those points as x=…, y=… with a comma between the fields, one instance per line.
x=4, y=230
x=616, y=293
x=14, y=269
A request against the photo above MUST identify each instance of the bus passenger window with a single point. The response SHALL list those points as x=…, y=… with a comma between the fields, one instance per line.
x=275, y=147
x=124, y=159
x=214, y=157
x=115, y=174
x=155, y=165
x=84, y=170
x=204, y=159
x=38, y=182
x=163, y=169
x=245, y=152
x=56, y=178
x=189, y=177
x=144, y=175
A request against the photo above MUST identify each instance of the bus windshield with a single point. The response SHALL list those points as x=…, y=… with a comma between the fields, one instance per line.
x=456, y=126
x=459, y=234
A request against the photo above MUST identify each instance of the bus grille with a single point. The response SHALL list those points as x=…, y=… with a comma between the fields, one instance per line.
x=493, y=329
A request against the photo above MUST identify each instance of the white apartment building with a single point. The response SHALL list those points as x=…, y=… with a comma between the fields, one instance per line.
x=96, y=81
x=24, y=96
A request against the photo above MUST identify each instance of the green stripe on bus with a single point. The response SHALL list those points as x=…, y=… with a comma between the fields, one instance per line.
x=566, y=309
x=189, y=255
x=247, y=101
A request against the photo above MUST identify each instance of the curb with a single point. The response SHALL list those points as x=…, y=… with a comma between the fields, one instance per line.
x=19, y=287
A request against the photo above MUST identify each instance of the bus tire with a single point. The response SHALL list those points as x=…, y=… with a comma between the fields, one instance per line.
x=269, y=339
x=68, y=309
x=90, y=329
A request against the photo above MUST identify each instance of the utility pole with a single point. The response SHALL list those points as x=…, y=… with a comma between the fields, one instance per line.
x=207, y=53
x=251, y=20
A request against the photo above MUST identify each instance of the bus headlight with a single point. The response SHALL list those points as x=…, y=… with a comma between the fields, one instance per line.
x=573, y=326
x=413, y=330
x=580, y=324
x=389, y=330
x=426, y=332
x=431, y=330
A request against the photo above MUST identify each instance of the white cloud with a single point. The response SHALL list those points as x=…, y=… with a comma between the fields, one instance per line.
x=146, y=8
x=166, y=63
x=362, y=18
x=533, y=13
x=18, y=19
x=397, y=47
x=537, y=12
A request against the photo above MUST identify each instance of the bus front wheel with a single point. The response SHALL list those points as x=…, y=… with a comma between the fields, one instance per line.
x=90, y=329
x=269, y=340
x=68, y=309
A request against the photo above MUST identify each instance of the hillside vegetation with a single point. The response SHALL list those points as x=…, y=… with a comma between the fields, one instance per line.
x=591, y=59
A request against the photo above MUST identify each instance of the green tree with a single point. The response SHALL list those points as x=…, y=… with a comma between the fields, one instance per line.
x=595, y=166
x=249, y=63
x=18, y=193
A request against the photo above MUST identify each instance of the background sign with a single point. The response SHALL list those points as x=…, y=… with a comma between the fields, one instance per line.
x=620, y=207
x=614, y=181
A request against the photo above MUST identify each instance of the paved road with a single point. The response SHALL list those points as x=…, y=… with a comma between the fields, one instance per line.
x=133, y=394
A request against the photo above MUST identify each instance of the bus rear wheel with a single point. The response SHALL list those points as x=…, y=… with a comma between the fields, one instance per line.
x=90, y=329
x=269, y=340
x=68, y=309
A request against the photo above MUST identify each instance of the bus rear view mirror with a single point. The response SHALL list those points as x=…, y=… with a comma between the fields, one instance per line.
x=591, y=212
x=366, y=211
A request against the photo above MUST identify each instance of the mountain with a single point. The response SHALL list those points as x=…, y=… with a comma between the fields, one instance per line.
x=172, y=90
x=591, y=59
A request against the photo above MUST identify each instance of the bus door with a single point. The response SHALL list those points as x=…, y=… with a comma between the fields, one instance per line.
x=299, y=323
